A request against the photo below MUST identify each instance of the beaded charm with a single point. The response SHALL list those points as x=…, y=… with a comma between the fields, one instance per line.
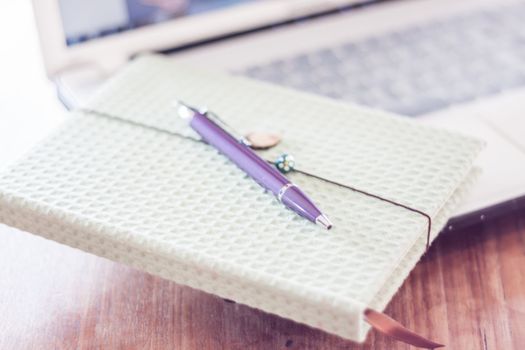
x=285, y=163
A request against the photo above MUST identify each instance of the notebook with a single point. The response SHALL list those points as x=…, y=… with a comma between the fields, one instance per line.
x=124, y=178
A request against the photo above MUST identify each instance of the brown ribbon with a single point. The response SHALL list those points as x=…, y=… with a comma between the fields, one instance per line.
x=114, y=117
x=429, y=219
x=394, y=329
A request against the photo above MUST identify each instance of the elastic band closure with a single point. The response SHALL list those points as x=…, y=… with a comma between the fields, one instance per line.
x=429, y=219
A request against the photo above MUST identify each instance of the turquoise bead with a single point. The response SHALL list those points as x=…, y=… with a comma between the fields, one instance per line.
x=285, y=163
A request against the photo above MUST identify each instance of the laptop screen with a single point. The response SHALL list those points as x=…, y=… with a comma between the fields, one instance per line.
x=86, y=20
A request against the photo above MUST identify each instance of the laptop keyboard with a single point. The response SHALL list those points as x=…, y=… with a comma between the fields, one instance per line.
x=417, y=70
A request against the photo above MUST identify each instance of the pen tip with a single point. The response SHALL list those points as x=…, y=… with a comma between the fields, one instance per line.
x=323, y=221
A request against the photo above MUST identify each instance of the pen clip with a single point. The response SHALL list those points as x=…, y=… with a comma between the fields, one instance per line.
x=186, y=111
x=213, y=116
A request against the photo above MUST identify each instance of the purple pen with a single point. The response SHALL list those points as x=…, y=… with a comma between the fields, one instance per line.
x=257, y=168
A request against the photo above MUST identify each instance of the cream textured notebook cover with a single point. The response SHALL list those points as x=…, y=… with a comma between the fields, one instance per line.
x=178, y=209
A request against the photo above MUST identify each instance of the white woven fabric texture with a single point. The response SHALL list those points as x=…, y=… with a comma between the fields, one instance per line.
x=178, y=209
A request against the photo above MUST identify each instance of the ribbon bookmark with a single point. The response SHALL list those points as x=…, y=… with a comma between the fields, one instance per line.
x=394, y=329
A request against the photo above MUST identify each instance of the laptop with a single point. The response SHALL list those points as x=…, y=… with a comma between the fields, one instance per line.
x=453, y=64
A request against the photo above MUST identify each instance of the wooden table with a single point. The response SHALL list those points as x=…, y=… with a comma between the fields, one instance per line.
x=467, y=292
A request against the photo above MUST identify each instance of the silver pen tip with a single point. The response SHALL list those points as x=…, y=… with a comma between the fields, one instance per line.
x=323, y=221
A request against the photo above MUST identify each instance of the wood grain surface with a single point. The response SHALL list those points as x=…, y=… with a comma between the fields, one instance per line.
x=467, y=292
